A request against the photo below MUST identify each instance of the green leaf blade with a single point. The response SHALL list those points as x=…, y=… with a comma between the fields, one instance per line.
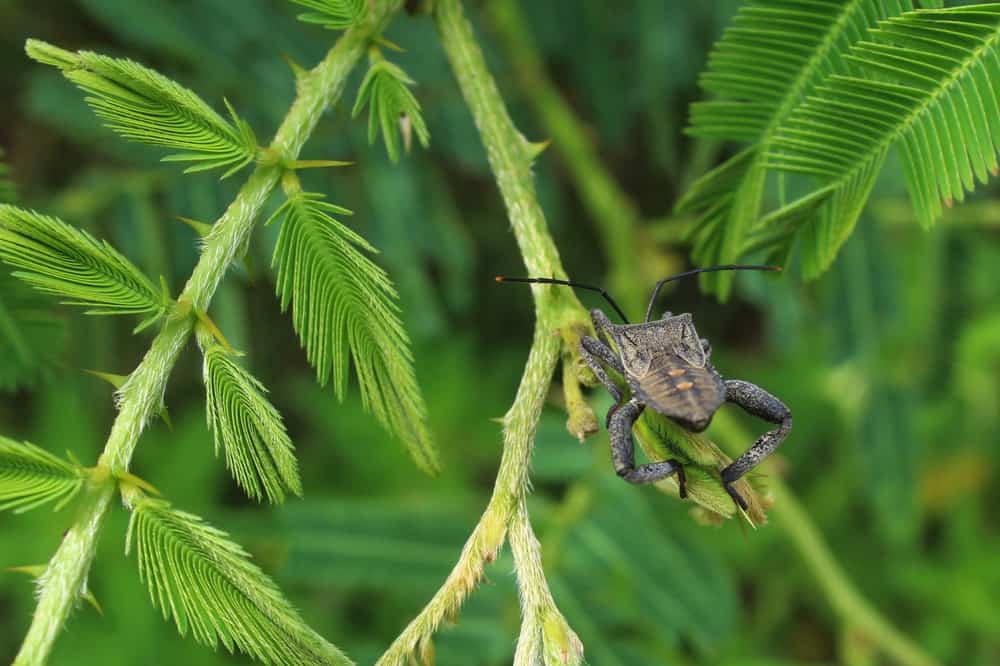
x=345, y=311
x=31, y=476
x=59, y=259
x=142, y=105
x=207, y=583
x=249, y=429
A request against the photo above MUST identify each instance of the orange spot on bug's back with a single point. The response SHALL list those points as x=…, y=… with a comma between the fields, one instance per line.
x=676, y=372
x=684, y=386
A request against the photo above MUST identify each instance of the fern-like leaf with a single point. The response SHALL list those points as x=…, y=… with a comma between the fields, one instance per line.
x=31, y=476
x=145, y=106
x=208, y=584
x=332, y=14
x=344, y=307
x=7, y=192
x=932, y=92
x=774, y=55
x=392, y=107
x=246, y=425
x=59, y=259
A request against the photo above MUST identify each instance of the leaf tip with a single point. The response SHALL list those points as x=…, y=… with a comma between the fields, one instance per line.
x=50, y=54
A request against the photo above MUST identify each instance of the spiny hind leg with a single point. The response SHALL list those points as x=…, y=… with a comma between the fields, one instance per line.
x=623, y=451
x=755, y=400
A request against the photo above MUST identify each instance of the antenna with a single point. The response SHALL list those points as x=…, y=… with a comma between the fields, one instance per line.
x=568, y=283
x=709, y=269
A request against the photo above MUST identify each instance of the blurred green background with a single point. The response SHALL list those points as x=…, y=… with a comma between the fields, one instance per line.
x=890, y=363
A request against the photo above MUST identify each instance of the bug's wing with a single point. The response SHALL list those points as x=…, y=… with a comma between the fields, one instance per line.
x=676, y=389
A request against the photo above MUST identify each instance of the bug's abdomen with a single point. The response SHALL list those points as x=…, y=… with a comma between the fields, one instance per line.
x=686, y=394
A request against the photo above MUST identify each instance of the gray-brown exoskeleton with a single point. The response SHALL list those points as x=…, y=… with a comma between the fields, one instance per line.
x=669, y=369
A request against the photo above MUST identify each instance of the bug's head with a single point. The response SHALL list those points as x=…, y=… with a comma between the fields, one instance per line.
x=656, y=289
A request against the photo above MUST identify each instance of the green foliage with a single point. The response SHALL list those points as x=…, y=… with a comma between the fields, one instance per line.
x=7, y=191
x=661, y=583
x=828, y=99
x=930, y=89
x=392, y=107
x=31, y=476
x=344, y=308
x=246, y=425
x=59, y=259
x=31, y=336
x=641, y=585
x=770, y=59
x=207, y=584
x=332, y=14
x=145, y=106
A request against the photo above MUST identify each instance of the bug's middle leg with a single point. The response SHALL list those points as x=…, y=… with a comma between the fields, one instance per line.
x=623, y=451
x=755, y=400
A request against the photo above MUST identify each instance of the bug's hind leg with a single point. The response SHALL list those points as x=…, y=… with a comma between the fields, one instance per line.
x=755, y=400
x=623, y=451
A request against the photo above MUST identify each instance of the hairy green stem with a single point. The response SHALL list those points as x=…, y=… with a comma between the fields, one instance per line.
x=610, y=208
x=545, y=637
x=142, y=395
x=855, y=612
x=520, y=424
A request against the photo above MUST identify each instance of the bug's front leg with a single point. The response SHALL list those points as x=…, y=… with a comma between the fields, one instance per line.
x=623, y=451
x=755, y=400
x=596, y=354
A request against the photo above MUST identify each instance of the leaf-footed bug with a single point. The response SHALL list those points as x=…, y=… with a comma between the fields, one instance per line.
x=668, y=369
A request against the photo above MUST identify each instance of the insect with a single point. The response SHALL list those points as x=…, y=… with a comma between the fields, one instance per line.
x=668, y=368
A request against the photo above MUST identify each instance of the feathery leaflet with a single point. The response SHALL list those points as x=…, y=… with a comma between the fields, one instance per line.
x=332, y=14
x=392, y=107
x=57, y=258
x=208, y=584
x=248, y=428
x=31, y=476
x=344, y=309
x=145, y=106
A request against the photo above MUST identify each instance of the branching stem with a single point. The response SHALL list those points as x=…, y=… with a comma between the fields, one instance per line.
x=142, y=395
x=545, y=636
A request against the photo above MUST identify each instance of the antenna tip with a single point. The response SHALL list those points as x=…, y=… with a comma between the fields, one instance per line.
x=776, y=269
x=499, y=278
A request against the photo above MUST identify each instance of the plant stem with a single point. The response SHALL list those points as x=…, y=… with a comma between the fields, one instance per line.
x=142, y=395
x=545, y=634
x=610, y=208
x=854, y=611
x=487, y=537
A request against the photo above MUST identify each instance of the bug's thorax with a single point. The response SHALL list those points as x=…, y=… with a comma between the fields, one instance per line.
x=669, y=370
x=641, y=345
